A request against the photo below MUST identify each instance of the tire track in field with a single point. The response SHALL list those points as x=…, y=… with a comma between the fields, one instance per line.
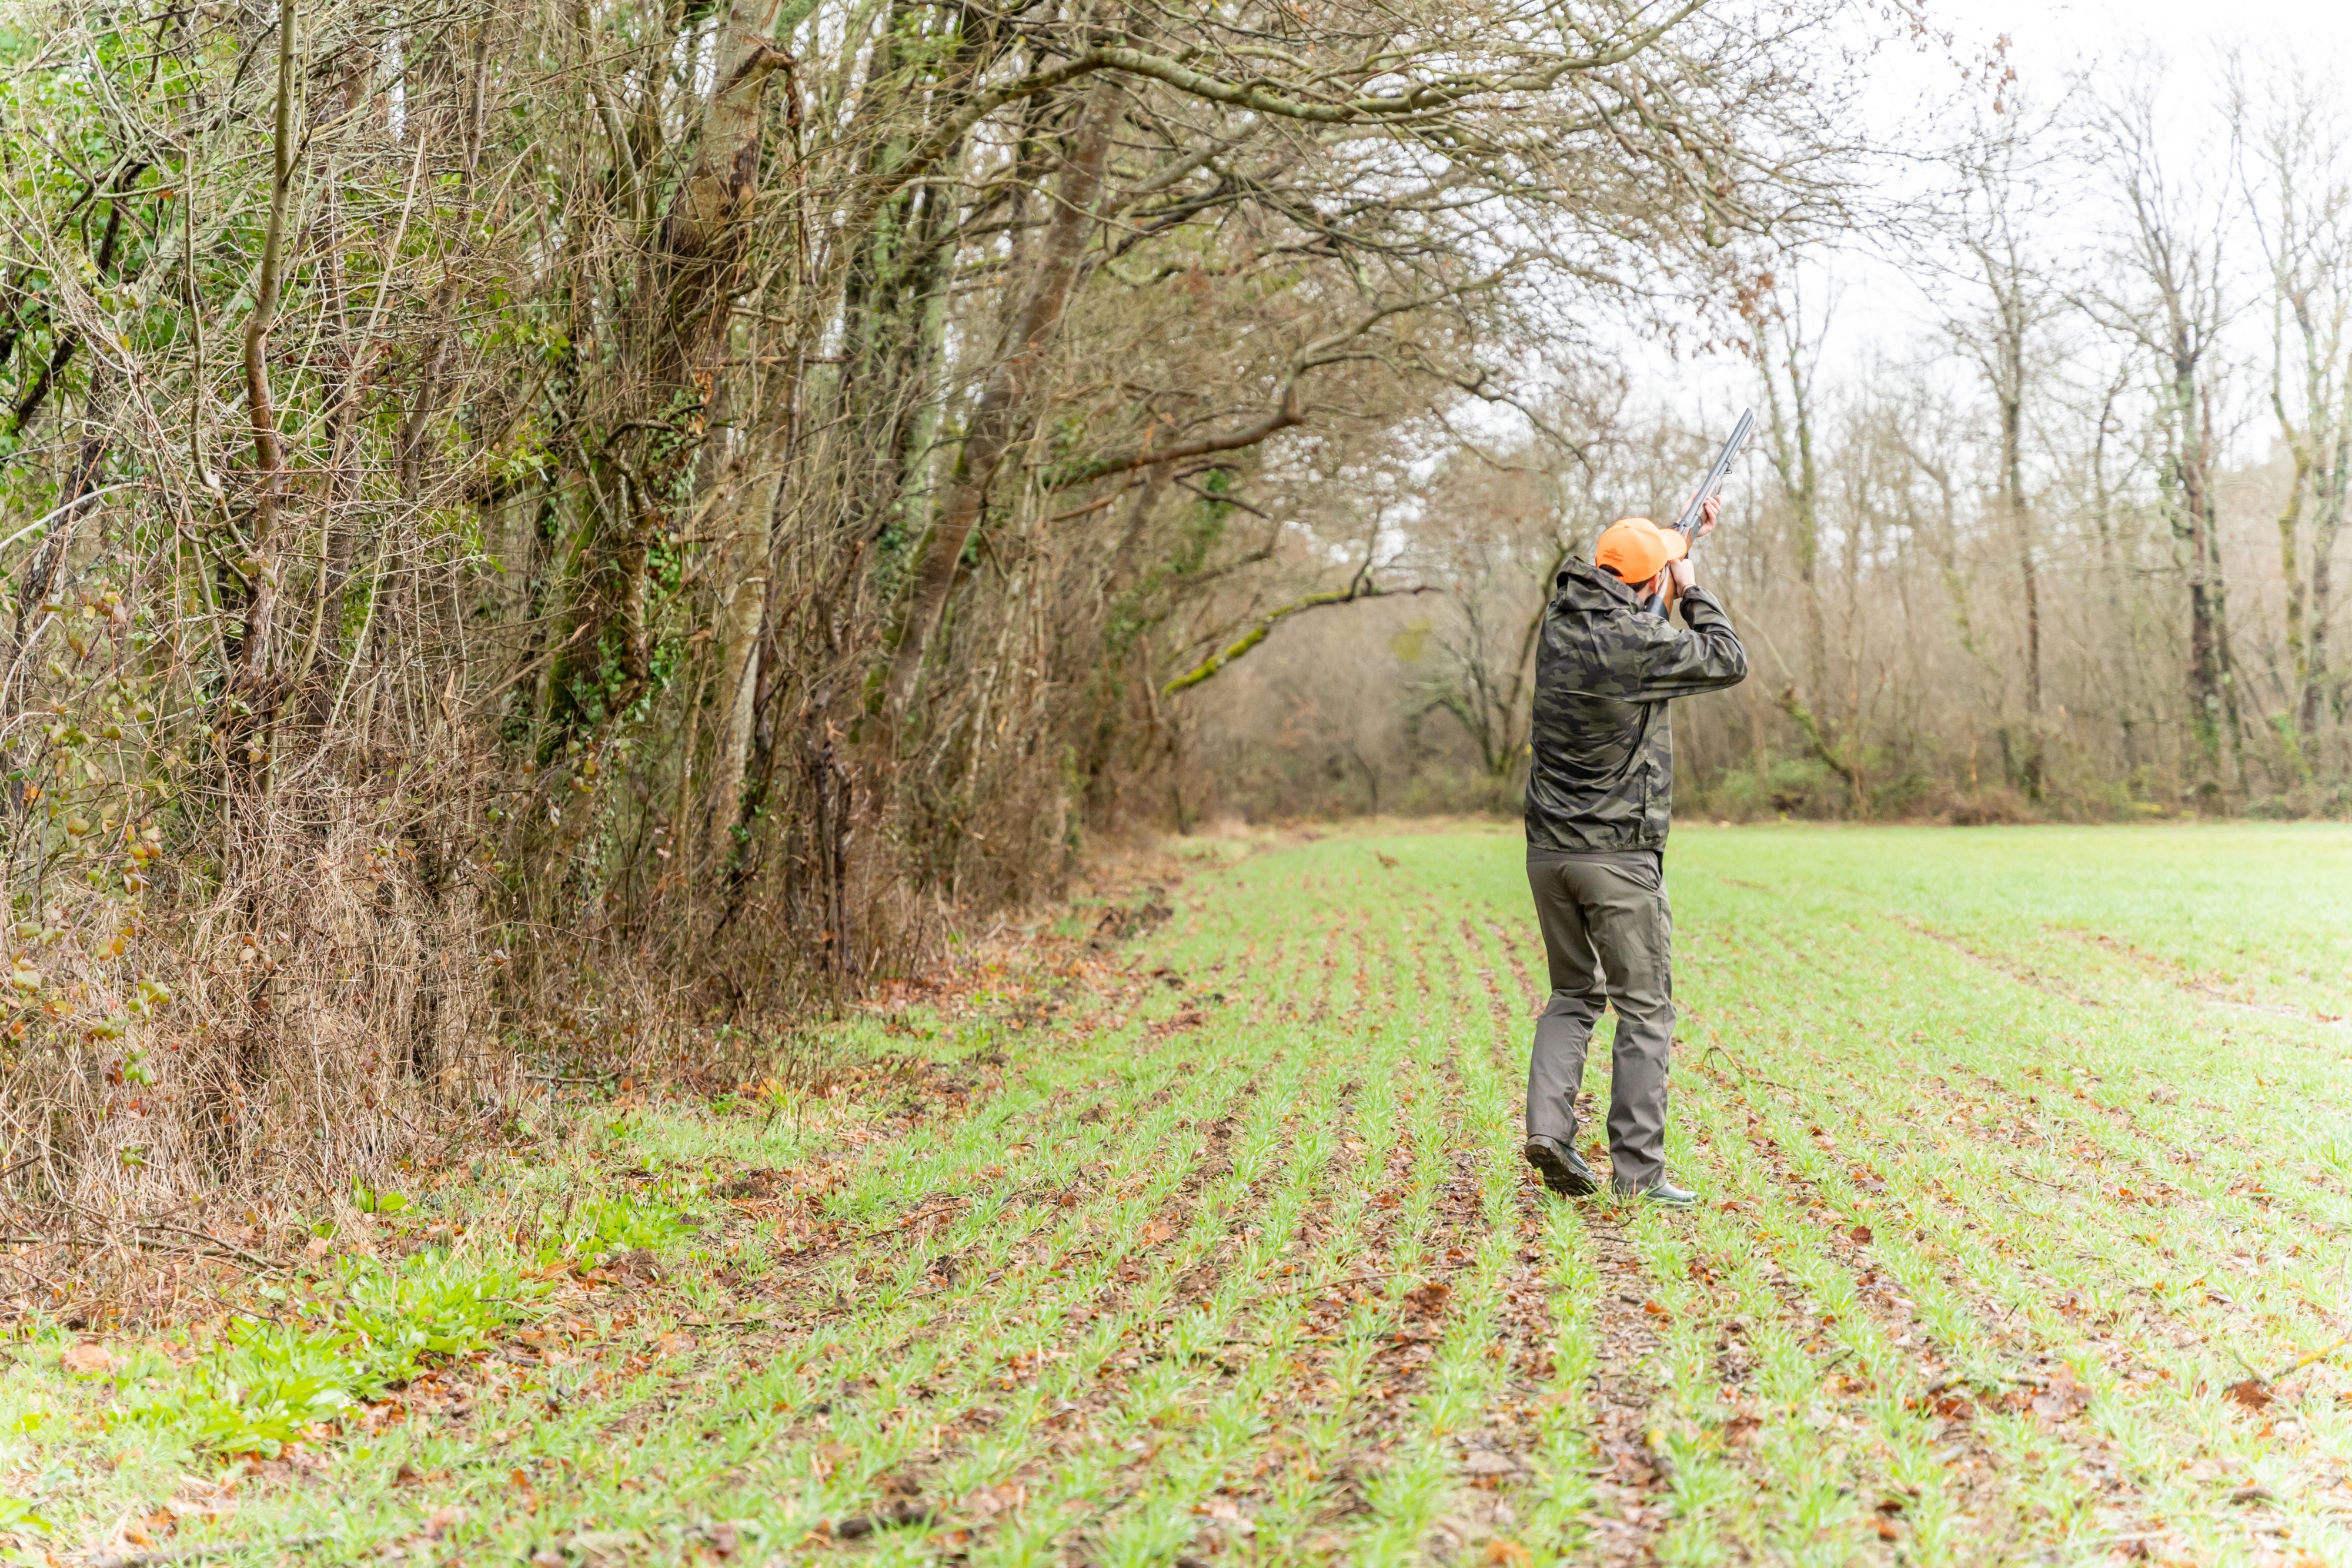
x=2207, y=987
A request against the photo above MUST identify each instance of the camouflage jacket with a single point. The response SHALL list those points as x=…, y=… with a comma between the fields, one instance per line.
x=1603, y=775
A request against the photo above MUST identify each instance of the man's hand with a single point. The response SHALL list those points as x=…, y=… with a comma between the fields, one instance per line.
x=1679, y=579
x=1707, y=515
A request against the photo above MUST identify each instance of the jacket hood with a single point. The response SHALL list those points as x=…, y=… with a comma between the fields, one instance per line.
x=1580, y=585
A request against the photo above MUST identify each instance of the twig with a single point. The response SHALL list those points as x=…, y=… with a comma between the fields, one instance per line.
x=2318, y=1355
x=252, y=1258
x=225, y=1250
x=1741, y=1068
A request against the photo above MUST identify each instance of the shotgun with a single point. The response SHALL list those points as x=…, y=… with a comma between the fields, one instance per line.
x=1687, y=524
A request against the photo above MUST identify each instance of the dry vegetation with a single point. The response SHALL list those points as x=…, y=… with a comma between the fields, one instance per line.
x=550, y=538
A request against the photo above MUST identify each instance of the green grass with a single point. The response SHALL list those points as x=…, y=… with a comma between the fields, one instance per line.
x=2019, y=1150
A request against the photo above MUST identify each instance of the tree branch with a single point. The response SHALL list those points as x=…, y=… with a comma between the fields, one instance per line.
x=1286, y=413
x=269, y=455
x=1361, y=588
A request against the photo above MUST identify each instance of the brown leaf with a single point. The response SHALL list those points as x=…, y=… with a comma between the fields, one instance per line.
x=442, y=1520
x=1505, y=1553
x=989, y=1502
x=2061, y=1398
x=1228, y=1513
x=1861, y=1233
x=89, y=1359
x=2251, y=1393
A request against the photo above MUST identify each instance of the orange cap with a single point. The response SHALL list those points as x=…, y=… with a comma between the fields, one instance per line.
x=1637, y=549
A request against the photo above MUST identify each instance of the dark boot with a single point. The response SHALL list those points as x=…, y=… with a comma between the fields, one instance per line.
x=1562, y=1168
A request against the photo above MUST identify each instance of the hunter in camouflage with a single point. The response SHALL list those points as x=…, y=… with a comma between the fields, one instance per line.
x=1600, y=802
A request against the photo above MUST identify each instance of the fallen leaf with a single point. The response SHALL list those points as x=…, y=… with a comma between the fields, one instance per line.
x=1226, y=1513
x=1861, y=1233
x=2061, y=1398
x=1429, y=1300
x=1503, y=1553
x=987, y=1503
x=2251, y=1393
x=89, y=1358
x=442, y=1520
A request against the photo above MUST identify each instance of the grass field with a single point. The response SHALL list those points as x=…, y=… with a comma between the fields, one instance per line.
x=2026, y=1167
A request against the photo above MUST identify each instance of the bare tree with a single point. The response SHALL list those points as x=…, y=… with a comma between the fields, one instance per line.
x=2002, y=203
x=2170, y=300
x=2299, y=194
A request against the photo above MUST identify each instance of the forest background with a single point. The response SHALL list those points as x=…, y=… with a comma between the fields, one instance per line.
x=553, y=539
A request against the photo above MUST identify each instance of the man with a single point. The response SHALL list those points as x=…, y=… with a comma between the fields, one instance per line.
x=1599, y=796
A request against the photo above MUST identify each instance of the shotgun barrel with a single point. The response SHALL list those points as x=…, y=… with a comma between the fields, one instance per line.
x=1687, y=524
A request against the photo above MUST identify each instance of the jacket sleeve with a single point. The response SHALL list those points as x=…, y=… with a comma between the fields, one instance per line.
x=1703, y=656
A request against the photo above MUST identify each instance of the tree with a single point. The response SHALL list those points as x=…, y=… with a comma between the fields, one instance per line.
x=2171, y=303
x=2299, y=194
x=2000, y=203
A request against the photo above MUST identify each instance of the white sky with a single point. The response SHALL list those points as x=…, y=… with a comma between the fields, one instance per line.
x=1879, y=308
x=2089, y=29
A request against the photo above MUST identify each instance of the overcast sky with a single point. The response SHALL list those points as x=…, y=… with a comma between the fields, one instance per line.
x=2091, y=28
x=1880, y=310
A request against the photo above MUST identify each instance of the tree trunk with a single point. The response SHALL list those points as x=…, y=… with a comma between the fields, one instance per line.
x=693, y=272
x=1003, y=402
x=2316, y=690
x=2012, y=474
